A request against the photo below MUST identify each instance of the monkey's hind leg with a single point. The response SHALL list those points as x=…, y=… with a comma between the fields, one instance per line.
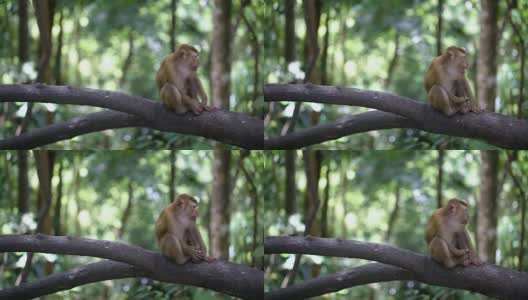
x=192, y=104
x=440, y=101
x=440, y=253
x=171, y=96
x=172, y=248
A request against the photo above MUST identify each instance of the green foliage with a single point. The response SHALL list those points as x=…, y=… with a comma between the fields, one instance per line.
x=95, y=48
x=363, y=189
x=94, y=197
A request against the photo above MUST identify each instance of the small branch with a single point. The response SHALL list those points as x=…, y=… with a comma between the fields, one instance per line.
x=370, y=273
x=496, y=129
x=224, y=126
x=488, y=279
x=363, y=122
x=218, y=276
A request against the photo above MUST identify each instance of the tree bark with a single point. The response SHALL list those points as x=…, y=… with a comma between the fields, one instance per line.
x=490, y=280
x=487, y=55
x=487, y=210
x=289, y=31
x=23, y=182
x=290, y=184
x=220, y=87
x=496, y=129
x=127, y=211
x=222, y=125
x=23, y=32
x=228, y=278
x=440, y=178
x=172, y=177
x=172, y=30
x=58, y=202
x=44, y=165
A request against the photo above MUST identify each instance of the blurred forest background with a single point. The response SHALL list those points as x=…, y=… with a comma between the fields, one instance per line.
x=118, y=46
x=118, y=195
x=387, y=197
x=388, y=46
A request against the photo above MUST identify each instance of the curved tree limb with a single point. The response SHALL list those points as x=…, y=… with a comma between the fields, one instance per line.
x=370, y=273
x=224, y=126
x=496, y=129
x=90, y=273
x=217, y=276
x=488, y=279
x=363, y=122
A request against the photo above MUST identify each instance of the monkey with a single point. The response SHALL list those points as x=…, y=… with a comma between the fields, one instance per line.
x=446, y=85
x=177, y=233
x=178, y=84
x=447, y=237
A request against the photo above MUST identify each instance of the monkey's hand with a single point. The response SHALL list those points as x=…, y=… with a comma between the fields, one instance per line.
x=208, y=107
x=197, y=254
x=209, y=259
x=459, y=252
x=475, y=260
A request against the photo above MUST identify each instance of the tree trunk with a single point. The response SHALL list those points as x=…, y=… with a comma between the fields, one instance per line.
x=220, y=215
x=58, y=202
x=44, y=11
x=439, y=13
x=394, y=213
x=172, y=178
x=58, y=57
x=486, y=89
x=487, y=56
x=128, y=60
x=324, y=55
x=220, y=91
x=23, y=32
x=290, y=184
x=289, y=35
x=172, y=31
x=393, y=62
x=326, y=198
x=44, y=165
x=312, y=167
x=127, y=211
x=440, y=178
x=23, y=182
x=487, y=211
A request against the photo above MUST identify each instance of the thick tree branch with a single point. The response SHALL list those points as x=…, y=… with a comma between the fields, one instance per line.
x=224, y=126
x=488, y=279
x=90, y=273
x=363, y=122
x=496, y=129
x=217, y=276
x=370, y=273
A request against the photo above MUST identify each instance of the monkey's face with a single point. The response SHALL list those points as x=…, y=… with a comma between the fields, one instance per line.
x=193, y=60
x=193, y=207
x=460, y=65
x=461, y=214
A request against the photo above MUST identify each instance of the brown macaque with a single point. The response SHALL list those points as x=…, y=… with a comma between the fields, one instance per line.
x=447, y=237
x=446, y=85
x=177, y=234
x=178, y=84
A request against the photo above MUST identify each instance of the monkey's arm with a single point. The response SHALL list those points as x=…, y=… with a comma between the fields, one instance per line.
x=473, y=256
x=200, y=90
x=474, y=105
x=203, y=96
x=161, y=226
x=443, y=234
